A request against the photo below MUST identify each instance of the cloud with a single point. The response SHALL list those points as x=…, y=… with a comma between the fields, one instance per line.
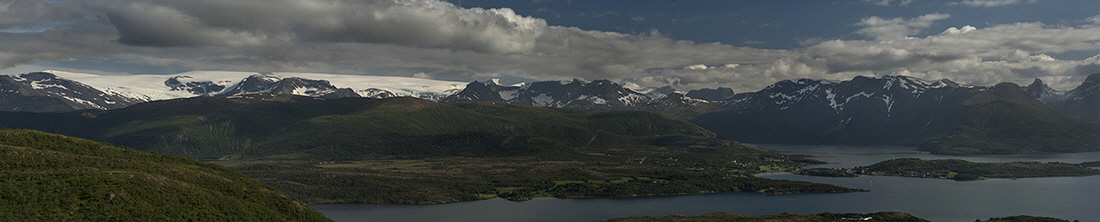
x=146, y=24
x=418, y=23
x=963, y=30
x=888, y=2
x=31, y=12
x=983, y=56
x=991, y=3
x=897, y=28
x=428, y=38
x=696, y=67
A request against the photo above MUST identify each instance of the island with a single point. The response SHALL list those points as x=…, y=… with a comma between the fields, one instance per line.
x=959, y=170
x=962, y=170
x=1090, y=164
x=822, y=217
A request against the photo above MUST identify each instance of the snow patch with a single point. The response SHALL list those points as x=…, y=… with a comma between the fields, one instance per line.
x=632, y=98
x=508, y=95
x=542, y=100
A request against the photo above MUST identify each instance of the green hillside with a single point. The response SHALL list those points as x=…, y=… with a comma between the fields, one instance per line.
x=1005, y=120
x=407, y=150
x=48, y=177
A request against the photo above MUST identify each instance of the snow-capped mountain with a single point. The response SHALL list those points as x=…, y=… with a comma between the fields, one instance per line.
x=187, y=83
x=940, y=116
x=45, y=92
x=1082, y=102
x=1044, y=93
x=124, y=90
x=599, y=95
x=864, y=109
x=291, y=85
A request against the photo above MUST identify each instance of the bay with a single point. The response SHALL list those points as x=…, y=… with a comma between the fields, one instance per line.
x=933, y=199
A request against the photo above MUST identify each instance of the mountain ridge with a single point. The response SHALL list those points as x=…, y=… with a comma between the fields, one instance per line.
x=431, y=152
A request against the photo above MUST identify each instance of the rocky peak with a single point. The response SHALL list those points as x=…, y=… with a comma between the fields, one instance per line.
x=475, y=91
x=1091, y=82
x=292, y=85
x=720, y=93
x=187, y=83
x=38, y=76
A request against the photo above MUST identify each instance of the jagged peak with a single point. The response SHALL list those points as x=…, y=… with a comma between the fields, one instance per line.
x=949, y=83
x=1092, y=80
x=1037, y=82
x=36, y=76
x=264, y=77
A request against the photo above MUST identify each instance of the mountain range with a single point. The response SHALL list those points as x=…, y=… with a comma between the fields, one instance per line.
x=261, y=125
x=1082, y=102
x=939, y=116
x=895, y=110
x=458, y=151
x=57, y=91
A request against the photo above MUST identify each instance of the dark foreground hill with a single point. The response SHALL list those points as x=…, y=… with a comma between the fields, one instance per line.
x=48, y=177
x=408, y=150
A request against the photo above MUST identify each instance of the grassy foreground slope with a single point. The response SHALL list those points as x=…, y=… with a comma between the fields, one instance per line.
x=49, y=177
x=407, y=150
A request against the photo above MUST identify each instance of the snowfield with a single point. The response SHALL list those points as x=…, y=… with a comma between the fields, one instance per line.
x=153, y=87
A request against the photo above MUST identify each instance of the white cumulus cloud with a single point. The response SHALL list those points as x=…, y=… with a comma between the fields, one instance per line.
x=897, y=28
x=992, y=3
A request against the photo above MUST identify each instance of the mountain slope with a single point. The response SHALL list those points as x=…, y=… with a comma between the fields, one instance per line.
x=291, y=85
x=861, y=111
x=938, y=115
x=45, y=92
x=267, y=124
x=1006, y=120
x=408, y=150
x=599, y=95
x=49, y=177
x=1082, y=102
x=57, y=91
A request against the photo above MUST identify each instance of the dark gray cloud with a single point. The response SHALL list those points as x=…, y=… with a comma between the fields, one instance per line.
x=253, y=22
x=34, y=12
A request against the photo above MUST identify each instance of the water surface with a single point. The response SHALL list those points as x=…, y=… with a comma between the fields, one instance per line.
x=933, y=199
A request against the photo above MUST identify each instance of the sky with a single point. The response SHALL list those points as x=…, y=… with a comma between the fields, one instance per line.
x=745, y=45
